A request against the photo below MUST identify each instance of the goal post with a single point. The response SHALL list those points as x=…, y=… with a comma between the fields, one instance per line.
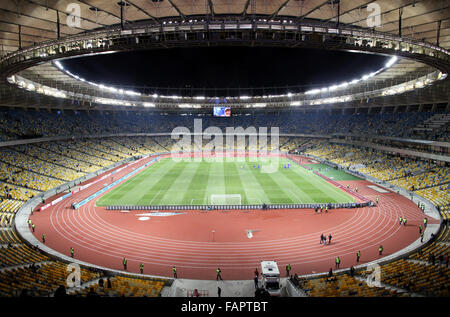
x=225, y=199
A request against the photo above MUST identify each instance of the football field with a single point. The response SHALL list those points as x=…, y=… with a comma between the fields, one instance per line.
x=195, y=183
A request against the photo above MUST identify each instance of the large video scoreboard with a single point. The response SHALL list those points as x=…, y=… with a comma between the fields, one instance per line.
x=221, y=111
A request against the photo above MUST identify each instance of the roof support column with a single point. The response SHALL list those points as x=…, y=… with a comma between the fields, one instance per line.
x=338, y=13
x=122, y=4
x=20, y=37
x=438, y=34
x=58, y=26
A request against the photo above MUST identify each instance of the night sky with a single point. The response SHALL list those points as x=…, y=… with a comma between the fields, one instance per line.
x=224, y=67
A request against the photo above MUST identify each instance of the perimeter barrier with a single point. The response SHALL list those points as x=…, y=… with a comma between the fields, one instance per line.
x=238, y=207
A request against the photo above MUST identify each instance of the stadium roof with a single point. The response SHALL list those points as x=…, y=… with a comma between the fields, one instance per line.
x=24, y=23
x=37, y=19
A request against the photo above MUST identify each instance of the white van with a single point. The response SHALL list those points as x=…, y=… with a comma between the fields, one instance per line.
x=271, y=277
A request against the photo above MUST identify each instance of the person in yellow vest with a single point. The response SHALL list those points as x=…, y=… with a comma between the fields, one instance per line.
x=380, y=250
x=124, y=263
x=404, y=221
x=141, y=267
x=71, y=252
x=219, y=276
x=174, y=270
x=43, y=238
x=288, y=269
x=358, y=255
x=338, y=262
x=425, y=222
x=32, y=227
x=401, y=220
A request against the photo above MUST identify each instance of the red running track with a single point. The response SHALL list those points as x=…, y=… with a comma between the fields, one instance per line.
x=186, y=240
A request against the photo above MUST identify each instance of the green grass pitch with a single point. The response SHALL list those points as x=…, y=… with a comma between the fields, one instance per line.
x=192, y=183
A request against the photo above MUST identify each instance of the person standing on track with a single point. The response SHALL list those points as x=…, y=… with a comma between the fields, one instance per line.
x=420, y=229
x=141, y=268
x=174, y=270
x=401, y=220
x=32, y=227
x=321, y=239
x=124, y=263
x=425, y=222
x=219, y=276
x=338, y=262
x=380, y=250
x=43, y=238
x=288, y=269
x=358, y=255
x=71, y=252
x=404, y=221
x=329, y=238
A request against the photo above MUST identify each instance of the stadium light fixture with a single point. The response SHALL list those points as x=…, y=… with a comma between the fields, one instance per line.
x=244, y=97
x=312, y=92
x=58, y=64
x=391, y=61
x=334, y=87
x=132, y=93
x=290, y=94
x=419, y=84
x=188, y=105
x=199, y=97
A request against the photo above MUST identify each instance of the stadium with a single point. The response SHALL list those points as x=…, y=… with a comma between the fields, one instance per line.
x=173, y=148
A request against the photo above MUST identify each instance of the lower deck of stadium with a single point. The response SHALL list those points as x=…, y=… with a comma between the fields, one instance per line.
x=197, y=242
